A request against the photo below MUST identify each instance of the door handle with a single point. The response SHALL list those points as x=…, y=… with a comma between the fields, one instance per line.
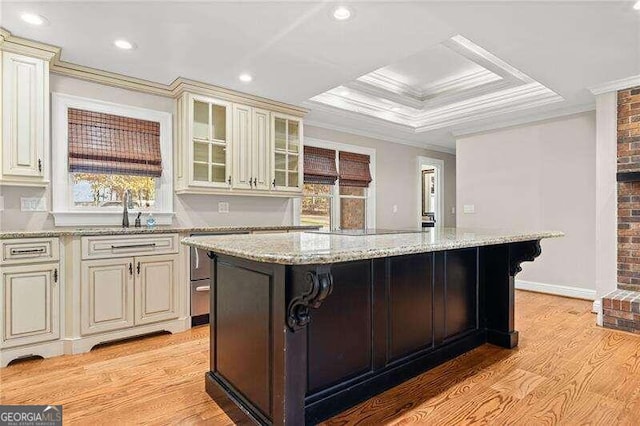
x=203, y=288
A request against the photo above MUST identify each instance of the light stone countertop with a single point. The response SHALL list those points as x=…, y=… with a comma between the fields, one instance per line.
x=319, y=248
x=68, y=231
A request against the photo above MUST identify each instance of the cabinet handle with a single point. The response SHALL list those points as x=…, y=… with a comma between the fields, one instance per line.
x=40, y=165
x=138, y=268
x=255, y=182
x=130, y=269
x=202, y=288
x=229, y=180
x=133, y=246
x=250, y=182
x=274, y=182
x=55, y=275
x=28, y=251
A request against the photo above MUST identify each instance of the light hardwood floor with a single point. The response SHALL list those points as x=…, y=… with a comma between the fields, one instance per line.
x=565, y=371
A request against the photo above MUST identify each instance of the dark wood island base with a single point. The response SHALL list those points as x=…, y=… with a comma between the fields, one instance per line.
x=297, y=344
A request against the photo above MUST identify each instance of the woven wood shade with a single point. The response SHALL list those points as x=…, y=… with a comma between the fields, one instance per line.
x=354, y=169
x=112, y=144
x=319, y=165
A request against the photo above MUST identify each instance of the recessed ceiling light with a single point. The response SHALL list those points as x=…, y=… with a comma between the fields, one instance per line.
x=33, y=19
x=342, y=13
x=245, y=77
x=123, y=44
x=637, y=5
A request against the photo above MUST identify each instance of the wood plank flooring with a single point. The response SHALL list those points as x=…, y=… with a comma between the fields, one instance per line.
x=566, y=371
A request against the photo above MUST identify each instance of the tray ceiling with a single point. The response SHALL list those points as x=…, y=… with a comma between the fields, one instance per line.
x=450, y=83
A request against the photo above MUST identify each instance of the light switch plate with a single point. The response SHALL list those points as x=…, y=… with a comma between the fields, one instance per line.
x=223, y=207
x=469, y=208
x=33, y=204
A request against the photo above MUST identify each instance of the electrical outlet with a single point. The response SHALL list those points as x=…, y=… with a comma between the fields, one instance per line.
x=223, y=207
x=469, y=208
x=33, y=204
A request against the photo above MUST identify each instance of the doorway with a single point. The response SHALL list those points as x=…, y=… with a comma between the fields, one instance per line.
x=430, y=194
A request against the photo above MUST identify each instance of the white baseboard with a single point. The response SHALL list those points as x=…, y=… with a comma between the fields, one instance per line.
x=597, y=308
x=560, y=290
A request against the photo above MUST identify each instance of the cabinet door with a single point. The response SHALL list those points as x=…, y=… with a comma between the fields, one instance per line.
x=23, y=109
x=242, y=147
x=106, y=295
x=209, y=127
x=30, y=302
x=287, y=153
x=156, y=288
x=261, y=149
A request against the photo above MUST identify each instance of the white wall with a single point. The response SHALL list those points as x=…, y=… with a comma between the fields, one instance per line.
x=539, y=176
x=396, y=165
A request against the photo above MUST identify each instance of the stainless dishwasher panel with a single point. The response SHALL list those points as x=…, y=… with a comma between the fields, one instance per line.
x=200, y=291
x=200, y=264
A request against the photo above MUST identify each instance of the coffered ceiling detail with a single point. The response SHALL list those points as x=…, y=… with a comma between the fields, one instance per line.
x=450, y=83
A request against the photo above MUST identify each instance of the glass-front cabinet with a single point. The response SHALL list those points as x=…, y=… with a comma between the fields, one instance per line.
x=287, y=153
x=210, y=142
x=225, y=147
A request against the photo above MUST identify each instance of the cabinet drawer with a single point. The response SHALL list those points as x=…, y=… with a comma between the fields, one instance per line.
x=30, y=250
x=102, y=247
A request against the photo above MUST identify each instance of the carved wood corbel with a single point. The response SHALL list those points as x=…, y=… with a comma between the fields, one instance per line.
x=525, y=251
x=320, y=285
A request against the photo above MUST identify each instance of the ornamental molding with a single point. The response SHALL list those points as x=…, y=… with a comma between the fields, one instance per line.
x=320, y=282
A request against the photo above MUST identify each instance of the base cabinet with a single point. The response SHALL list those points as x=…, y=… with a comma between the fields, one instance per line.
x=126, y=292
x=107, y=295
x=155, y=289
x=30, y=304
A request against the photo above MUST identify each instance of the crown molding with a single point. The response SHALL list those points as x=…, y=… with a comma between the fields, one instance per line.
x=528, y=119
x=615, y=85
x=379, y=136
x=180, y=85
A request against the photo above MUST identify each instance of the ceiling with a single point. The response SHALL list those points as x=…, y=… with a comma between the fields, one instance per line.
x=411, y=72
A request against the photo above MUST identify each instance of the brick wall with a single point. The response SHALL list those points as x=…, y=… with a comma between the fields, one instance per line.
x=629, y=192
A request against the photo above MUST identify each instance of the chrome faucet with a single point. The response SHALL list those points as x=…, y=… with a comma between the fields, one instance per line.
x=125, y=212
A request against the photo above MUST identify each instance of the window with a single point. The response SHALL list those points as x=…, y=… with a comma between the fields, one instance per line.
x=332, y=203
x=103, y=151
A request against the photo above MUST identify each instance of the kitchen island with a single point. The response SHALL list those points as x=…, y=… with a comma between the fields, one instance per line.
x=305, y=325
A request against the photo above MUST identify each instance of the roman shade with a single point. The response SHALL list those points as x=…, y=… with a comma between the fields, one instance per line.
x=112, y=144
x=319, y=165
x=354, y=169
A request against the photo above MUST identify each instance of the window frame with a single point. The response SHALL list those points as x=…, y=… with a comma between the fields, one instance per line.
x=330, y=196
x=370, y=192
x=63, y=209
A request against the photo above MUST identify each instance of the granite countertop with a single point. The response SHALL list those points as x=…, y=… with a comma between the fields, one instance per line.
x=59, y=232
x=317, y=248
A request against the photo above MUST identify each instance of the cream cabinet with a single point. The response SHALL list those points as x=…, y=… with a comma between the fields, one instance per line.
x=229, y=147
x=252, y=148
x=156, y=289
x=126, y=292
x=25, y=120
x=203, y=144
x=106, y=295
x=287, y=153
x=31, y=304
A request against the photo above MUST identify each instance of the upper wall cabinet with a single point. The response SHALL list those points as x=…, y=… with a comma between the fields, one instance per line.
x=228, y=147
x=203, y=145
x=25, y=120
